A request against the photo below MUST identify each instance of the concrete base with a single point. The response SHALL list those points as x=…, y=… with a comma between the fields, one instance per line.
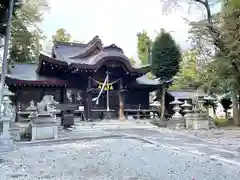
x=176, y=123
x=6, y=144
x=189, y=123
x=44, y=130
x=15, y=133
x=200, y=124
x=109, y=115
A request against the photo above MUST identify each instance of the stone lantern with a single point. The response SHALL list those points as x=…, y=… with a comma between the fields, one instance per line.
x=177, y=120
x=6, y=117
x=186, y=108
x=6, y=91
x=210, y=111
x=176, y=103
x=188, y=114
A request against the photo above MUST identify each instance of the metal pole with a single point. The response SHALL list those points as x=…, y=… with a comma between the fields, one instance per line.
x=107, y=93
x=6, y=45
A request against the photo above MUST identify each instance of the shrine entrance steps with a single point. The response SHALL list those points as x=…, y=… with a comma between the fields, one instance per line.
x=112, y=124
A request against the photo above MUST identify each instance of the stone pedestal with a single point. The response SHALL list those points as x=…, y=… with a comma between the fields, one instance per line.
x=15, y=132
x=197, y=121
x=6, y=127
x=200, y=124
x=176, y=122
x=44, y=130
x=189, y=123
x=44, y=127
x=6, y=142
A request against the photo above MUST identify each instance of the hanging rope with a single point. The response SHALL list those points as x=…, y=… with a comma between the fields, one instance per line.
x=97, y=98
x=107, y=86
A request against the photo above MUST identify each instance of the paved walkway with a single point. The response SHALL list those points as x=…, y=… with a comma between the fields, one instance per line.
x=110, y=159
x=181, y=140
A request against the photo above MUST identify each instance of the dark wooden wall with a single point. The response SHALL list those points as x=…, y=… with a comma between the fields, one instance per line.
x=25, y=95
x=136, y=98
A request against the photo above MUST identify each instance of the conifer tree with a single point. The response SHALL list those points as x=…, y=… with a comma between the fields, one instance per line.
x=166, y=57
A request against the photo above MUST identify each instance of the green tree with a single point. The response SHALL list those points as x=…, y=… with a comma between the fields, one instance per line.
x=132, y=60
x=231, y=39
x=188, y=76
x=166, y=57
x=225, y=39
x=235, y=3
x=144, y=44
x=25, y=32
x=61, y=36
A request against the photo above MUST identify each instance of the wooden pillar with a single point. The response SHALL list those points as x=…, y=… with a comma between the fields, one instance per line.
x=88, y=100
x=63, y=95
x=121, y=101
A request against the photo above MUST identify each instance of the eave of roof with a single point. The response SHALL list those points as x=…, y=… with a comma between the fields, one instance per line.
x=145, y=80
x=186, y=94
x=26, y=74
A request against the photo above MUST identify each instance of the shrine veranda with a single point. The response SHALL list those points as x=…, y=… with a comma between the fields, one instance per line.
x=97, y=78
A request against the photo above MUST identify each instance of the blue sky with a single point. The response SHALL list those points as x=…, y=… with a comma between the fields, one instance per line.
x=115, y=21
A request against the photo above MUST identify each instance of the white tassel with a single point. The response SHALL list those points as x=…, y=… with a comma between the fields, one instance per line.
x=104, y=84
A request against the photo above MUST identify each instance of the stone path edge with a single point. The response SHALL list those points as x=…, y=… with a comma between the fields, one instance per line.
x=66, y=140
x=71, y=140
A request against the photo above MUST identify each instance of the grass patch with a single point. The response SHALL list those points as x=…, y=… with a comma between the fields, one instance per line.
x=222, y=121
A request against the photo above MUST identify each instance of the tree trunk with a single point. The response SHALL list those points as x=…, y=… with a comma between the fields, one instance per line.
x=163, y=101
x=235, y=104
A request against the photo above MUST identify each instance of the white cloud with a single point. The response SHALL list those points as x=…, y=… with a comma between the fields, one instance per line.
x=115, y=21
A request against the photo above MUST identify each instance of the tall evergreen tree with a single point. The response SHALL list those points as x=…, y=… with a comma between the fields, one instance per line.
x=25, y=31
x=144, y=44
x=166, y=57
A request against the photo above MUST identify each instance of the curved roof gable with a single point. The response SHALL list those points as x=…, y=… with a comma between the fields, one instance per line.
x=90, y=56
x=92, y=48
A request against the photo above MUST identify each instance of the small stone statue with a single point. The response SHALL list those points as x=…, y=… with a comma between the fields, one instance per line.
x=31, y=107
x=46, y=105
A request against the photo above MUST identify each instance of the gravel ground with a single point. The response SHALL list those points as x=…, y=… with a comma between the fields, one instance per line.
x=223, y=136
x=110, y=159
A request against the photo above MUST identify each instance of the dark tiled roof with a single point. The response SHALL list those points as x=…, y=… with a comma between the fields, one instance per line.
x=91, y=55
x=186, y=94
x=144, y=80
x=26, y=73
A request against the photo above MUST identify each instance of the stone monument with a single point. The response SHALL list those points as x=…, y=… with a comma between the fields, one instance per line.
x=44, y=125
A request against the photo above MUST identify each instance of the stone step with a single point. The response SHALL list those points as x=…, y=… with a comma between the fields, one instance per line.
x=111, y=123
